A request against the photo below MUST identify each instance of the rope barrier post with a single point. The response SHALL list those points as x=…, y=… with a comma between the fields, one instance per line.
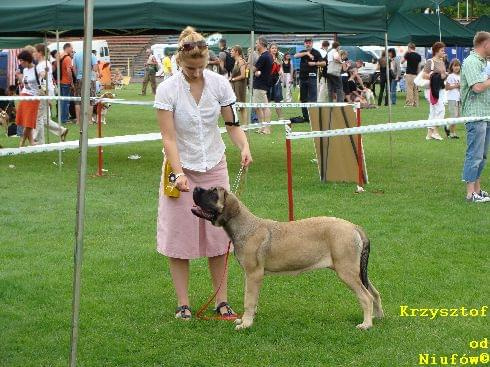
x=388, y=91
x=290, y=179
x=58, y=79
x=360, y=157
x=100, y=149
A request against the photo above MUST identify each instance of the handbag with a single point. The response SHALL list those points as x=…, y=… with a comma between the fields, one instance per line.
x=334, y=68
x=419, y=80
x=168, y=181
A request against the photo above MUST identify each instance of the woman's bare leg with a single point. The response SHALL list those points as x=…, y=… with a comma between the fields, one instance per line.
x=179, y=269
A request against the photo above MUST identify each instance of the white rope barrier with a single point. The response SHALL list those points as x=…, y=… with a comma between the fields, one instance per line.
x=113, y=140
x=150, y=103
x=370, y=129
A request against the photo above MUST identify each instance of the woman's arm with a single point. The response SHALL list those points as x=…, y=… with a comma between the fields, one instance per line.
x=243, y=68
x=166, y=121
x=237, y=136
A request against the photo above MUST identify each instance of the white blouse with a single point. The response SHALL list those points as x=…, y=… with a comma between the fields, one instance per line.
x=30, y=82
x=199, y=140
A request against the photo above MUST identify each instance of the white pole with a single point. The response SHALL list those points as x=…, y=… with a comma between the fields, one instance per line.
x=251, y=72
x=82, y=174
x=388, y=89
x=58, y=77
x=467, y=11
x=439, y=19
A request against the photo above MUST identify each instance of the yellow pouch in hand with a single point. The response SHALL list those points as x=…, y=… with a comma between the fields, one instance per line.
x=169, y=187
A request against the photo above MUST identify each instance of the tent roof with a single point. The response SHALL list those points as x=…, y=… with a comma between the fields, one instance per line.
x=480, y=24
x=422, y=29
x=394, y=6
x=28, y=18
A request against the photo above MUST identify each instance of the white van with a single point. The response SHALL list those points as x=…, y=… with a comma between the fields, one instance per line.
x=101, y=46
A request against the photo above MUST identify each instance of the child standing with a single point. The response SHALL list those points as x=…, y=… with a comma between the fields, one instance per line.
x=453, y=96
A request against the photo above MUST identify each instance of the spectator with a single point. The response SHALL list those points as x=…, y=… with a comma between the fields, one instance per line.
x=213, y=63
x=45, y=76
x=238, y=80
x=311, y=59
x=261, y=82
x=275, y=90
x=67, y=80
x=78, y=69
x=383, y=64
x=151, y=68
x=413, y=59
x=435, y=71
x=287, y=76
x=323, y=90
x=334, y=69
x=27, y=110
x=167, y=66
x=453, y=96
x=195, y=97
x=475, y=98
x=226, y=61
x=396, y=71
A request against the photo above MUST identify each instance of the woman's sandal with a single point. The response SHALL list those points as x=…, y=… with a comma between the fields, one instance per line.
x=228, y=315
x=180, y=312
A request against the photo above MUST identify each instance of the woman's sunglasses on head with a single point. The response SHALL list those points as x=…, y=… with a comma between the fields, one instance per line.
x=189, y=46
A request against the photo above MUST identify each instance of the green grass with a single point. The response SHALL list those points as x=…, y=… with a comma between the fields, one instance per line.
x=429, y=249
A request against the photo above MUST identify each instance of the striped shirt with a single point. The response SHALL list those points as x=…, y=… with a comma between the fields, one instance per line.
x=473, y=72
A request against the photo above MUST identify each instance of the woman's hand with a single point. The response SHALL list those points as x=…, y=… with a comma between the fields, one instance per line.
x=182, y=184
x=246, y=157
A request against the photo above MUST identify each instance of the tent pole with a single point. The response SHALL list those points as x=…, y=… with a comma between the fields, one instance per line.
x=58, y=92
x=467, y=11
x=46, y=70
x=251, y=72
x=439, y=19
x=388, y=90
x=82, y=175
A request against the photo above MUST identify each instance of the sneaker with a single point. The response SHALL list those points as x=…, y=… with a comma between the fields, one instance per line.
x=475, y=198
x=484, y=194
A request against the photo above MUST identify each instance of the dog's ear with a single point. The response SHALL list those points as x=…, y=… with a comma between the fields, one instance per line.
x=231, y=207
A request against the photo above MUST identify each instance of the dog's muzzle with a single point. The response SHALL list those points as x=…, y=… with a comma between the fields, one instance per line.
x=198, y=210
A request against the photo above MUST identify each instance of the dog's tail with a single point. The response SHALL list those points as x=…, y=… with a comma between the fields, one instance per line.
x=366, y=247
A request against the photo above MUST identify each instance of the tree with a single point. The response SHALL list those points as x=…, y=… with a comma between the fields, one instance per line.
x=477, y=8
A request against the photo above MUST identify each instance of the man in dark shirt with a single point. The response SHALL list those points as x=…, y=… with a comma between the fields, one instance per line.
x=261, y=82
x=413, y=60
x=311, y=59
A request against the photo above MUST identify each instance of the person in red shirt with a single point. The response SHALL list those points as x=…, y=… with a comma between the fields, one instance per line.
x=66, y=80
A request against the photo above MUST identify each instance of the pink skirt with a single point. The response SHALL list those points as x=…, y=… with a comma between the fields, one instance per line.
x=180, y=234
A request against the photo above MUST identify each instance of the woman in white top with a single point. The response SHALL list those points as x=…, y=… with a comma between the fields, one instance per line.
x=27, y=110
x=453, y=96
x=44, y=69
x=189, y=104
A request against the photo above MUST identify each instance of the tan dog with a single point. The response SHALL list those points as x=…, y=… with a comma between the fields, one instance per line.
x=4, y=120
x=105, y=107
x=265, y=246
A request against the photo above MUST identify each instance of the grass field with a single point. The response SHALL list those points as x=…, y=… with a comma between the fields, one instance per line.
x=429, y=250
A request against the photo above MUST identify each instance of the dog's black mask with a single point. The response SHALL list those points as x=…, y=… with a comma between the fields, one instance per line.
x=206, y=203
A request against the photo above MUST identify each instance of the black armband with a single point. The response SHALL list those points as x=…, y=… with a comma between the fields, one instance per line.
x=235, y=121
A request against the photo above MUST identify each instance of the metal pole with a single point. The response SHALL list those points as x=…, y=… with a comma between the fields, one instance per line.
x=58, y=77
x=290, y=179
x=439, y=19
x=360, y=174
x=467, y=11
x=46, y=78
x=100, y=149
x=82, y=175
x=251, y=73
x=388, y=88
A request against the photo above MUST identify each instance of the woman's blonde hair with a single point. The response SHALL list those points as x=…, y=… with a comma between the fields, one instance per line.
x=238, y=50
x=189, y=34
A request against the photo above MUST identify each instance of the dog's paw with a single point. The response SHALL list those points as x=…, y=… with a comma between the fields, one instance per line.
x=379, y=314
x=364, y=326
x=242, y=324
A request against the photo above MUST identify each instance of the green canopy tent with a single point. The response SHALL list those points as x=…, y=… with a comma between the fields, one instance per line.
x=18, y=42
x=394, y=6
x=480, y=24
x=27, y=18
x=422, y=29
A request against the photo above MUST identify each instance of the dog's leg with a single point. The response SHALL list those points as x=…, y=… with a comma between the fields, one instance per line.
x=378, y=309
x=352, y=279
x=253, y=282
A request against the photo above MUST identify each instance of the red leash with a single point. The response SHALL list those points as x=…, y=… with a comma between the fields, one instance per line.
x=199, y=314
